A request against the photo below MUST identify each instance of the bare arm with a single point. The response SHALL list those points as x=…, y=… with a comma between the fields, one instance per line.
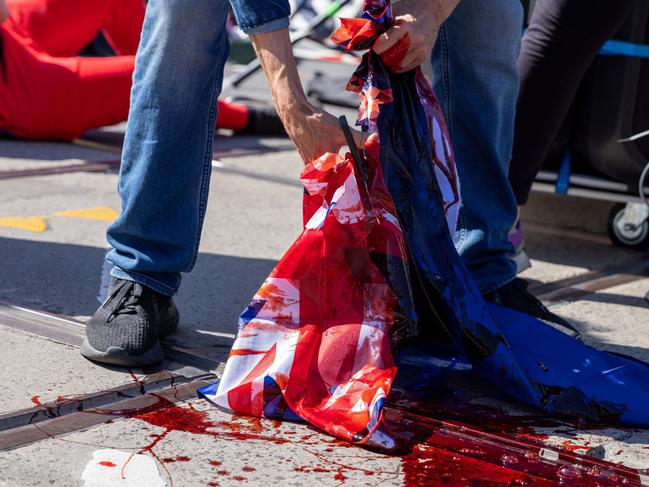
x=4, y=11
x=312, y=130
x=410, y=42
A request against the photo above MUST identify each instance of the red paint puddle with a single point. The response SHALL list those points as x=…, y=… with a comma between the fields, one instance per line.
x=452, y=452
x=105, y=463
x=431, y=466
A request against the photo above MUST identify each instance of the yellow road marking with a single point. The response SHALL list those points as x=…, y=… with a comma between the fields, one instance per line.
x=91, y=144
x=103, y=214
x=30, y=223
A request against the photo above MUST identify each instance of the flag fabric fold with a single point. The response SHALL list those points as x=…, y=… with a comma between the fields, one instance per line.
x=375, y=269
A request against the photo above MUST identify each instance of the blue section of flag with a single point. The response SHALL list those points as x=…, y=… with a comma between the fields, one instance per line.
x=274, y=404
x=251, y=312
x=206, y=391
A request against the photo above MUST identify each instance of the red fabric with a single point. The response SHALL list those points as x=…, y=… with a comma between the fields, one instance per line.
x=49, y=94
x=233, y=116
x=314, y=342
x=63, y=27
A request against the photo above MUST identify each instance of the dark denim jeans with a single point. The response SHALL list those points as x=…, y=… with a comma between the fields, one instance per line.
x=167, y=156
x=476, y=81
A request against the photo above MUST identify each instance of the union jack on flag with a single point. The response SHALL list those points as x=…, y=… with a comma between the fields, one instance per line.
x=375, y=266
x=315, y=342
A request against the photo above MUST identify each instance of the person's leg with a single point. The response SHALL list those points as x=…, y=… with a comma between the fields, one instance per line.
x=167, y=155
x=475, y=78
x=164, y=178
x=477, y=82
x=64, y=27
x=562, y=40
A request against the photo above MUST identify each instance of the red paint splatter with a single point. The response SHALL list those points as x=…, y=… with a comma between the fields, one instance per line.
x=106, y=463
x=431, y=466
x=215, y=463
x=239, y=478
x=340, y=477
x=175, y=459
x=37, y=400
x=338, y=469
x=138, y=381
x=254, y=424
x=249, y=469
x=165, y=414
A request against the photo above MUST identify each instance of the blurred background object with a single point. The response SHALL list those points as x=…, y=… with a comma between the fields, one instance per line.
x=584, y=111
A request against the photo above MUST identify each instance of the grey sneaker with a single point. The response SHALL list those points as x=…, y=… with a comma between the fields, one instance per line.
x=125, y=330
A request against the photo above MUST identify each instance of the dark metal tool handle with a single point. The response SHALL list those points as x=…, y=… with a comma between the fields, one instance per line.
x=349, y=137
x=356, y=155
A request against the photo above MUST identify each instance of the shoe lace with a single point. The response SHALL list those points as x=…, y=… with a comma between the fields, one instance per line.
x=127, y=297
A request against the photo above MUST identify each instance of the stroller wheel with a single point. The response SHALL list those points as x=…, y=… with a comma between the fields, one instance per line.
x=624, y=232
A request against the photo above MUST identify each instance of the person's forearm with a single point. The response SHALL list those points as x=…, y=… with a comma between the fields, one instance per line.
x=313, y=131
x=275, y=54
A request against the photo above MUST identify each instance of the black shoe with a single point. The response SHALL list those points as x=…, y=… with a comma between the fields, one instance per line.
x=125, y=329
x=263, y=121
x=515, y=295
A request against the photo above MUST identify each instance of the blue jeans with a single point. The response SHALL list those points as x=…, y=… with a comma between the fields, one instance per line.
x=475, y=78
x=167, y=156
